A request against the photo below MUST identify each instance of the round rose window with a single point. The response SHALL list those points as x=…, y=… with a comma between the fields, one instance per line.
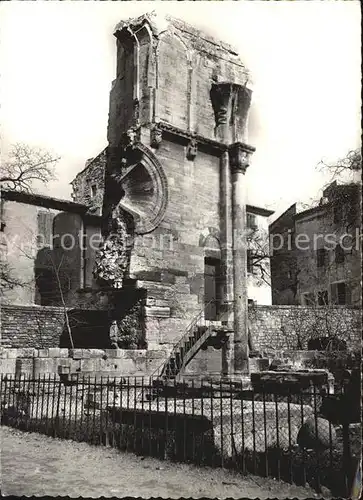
x=145, y=188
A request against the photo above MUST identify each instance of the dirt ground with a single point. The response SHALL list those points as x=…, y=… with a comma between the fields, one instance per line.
x=34, y=464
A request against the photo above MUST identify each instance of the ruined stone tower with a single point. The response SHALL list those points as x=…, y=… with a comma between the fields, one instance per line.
x=174, y=189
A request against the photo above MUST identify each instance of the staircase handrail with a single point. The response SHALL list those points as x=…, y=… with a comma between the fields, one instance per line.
x=186, y=334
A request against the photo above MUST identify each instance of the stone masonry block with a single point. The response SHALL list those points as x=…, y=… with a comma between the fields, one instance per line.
x=115, y=353
x=76, y=353
x=11, y=353
x=158, y=312
x=44, y=366
x=64, y=353
x=3, y=353
x=53, y=352
x=7, y=366
x=67, y=362
x=96, y=353
x=24, y=366
x=26, y=352
x=90, y=365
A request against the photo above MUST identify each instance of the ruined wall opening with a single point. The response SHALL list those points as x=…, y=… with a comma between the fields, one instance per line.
x=212, y=280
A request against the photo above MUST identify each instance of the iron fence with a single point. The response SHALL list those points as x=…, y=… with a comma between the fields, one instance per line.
x=282, y=434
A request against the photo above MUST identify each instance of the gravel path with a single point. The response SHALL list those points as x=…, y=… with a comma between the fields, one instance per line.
x=34, y=464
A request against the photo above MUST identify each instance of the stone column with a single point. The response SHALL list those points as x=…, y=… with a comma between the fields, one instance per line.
x=239, y=159
x=231, y=103
x=221, y=94
x=227, y=260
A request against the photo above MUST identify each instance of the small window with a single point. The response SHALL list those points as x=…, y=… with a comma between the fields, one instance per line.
x=339, y=293
x=339, y=255
x=321, y=255
x=323, y=299
x=249, y=261
x=93, y=190
x=251, y=221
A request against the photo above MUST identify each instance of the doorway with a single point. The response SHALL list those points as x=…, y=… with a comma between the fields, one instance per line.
x=211, y=287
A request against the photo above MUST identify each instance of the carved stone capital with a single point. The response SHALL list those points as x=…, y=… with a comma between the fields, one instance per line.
x=192, y=149
x=239, y=156
x=156, y=136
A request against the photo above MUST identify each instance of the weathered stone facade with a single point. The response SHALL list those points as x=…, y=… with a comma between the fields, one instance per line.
x=321, y=251
x=176, y=163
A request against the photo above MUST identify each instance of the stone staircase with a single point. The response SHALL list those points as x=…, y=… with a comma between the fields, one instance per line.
x=201, y=337
x=200, y=334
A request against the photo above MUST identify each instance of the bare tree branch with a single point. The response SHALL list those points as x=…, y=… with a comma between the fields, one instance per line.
x=26, y=165
x=351, y=163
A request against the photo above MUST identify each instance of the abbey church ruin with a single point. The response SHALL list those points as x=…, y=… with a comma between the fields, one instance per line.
x=155, y=236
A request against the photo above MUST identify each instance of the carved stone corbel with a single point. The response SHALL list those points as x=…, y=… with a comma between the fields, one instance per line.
x=192, y=149
x=220, y=96
x=156, y=136
x=239, y=156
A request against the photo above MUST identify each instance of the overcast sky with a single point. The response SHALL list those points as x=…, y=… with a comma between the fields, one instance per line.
x=58, y=61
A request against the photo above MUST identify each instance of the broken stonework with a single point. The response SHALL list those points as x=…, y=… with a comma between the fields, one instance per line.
x=112, y=258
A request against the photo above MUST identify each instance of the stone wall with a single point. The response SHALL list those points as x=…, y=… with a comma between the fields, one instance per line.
x=290, y=327
x=276, y=327
x=97, y=362
x=18, y=245
x=276, y=331
x=31, y=326
x=88, y=184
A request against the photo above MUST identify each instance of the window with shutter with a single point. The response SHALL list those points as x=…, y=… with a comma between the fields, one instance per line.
x=348, y=295
x=339, y=294
x=334, y=293
x=44, y=236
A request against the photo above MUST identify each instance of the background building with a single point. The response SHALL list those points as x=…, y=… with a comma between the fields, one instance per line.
x=319, y=262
